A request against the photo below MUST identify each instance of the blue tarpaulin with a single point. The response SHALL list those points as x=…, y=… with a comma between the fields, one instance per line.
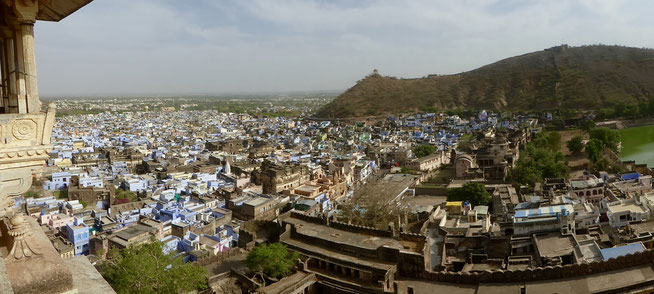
x=615, y=252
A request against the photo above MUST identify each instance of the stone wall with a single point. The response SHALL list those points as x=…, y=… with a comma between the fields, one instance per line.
x=418, y=238
x=361, y=229
x=307, y=218
x=410, y=264
x=541, y=273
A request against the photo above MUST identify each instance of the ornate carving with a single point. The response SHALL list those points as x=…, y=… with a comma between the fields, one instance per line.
x=14, y=182
x=20, y=231
x=26, y=142
x=25, y=10
x=24, y=129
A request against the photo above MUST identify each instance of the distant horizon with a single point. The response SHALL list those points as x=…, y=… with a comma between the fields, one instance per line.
x=109, y=48
x=176, y=95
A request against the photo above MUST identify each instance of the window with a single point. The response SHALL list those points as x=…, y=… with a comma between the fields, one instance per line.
x=409, y=290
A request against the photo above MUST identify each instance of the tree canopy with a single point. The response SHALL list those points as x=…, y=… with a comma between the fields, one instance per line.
x=551, y=141
x=588, y=126
x=576, y=145
x=554, y=141
x=464, y=142
x=146, y=269
x=610, y=138
x=538, y=164
x=594, y=150
x=423, y=150
x=475, y=193
x=273, y=260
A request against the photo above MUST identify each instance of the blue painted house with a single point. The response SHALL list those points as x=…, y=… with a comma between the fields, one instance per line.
x=78, y=234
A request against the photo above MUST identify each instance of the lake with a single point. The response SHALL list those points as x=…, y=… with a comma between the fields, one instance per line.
x=638, y=144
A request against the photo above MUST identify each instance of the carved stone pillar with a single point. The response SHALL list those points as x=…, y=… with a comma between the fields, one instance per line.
x=31, y=85
x=3, y=74
x=26, y=11
x=23, y=29
x=19, y=72
x=11, y=105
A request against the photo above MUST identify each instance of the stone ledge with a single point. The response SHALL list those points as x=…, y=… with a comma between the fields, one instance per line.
x=86, y=279
x=45, y=273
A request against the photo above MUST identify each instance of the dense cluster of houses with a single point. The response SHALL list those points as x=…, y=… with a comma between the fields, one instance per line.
x=199, y=180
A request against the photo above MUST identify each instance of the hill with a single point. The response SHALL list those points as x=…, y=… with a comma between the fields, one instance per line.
x=586, y=77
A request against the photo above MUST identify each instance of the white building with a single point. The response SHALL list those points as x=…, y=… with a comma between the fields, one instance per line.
x=621, y=213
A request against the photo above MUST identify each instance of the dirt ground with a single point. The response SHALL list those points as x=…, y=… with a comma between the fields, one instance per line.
x=566, y=136
x=578, y=163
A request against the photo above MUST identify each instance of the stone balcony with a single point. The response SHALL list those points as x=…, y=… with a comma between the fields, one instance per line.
x=24, y=147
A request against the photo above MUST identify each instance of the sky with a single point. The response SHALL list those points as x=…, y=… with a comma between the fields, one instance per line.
x=158, y=47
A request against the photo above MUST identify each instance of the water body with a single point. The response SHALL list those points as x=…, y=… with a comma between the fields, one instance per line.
x=638, y=144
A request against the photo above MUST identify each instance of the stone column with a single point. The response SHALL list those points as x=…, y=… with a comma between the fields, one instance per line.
x=11, y=105
x=27, y=87
x=3, y=75
x=19, y=73
x=31, y=85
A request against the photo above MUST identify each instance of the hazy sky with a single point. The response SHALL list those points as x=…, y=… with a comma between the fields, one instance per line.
x=227, y=46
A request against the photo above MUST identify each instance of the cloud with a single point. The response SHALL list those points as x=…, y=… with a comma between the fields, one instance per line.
x=205, y=46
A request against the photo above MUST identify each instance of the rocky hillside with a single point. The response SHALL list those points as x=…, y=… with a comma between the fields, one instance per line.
x=587, y=77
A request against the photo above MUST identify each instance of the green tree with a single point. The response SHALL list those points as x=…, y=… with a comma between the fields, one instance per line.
x=605, y=113
x=576, y=145
x=538, y=164
x=619, y=109
x=553, y=141
x=423, y=150
x=464, y=142
x=594, y=149
x=475, y=193
x=610, y=138
x=588, y=126
x=146, y=269
x=273, y=260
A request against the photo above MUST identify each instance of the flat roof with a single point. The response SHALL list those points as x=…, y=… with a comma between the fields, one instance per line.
x=629, y=206
x=623, y=250
x=544, y=211
x=582, y=184
x=341, y=236
x=554, y=244
x=257, y=201
x=307, y=188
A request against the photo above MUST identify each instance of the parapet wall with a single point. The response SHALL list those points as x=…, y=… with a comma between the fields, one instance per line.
x=307, y=218
x=542, y=273
x=360, y=229
x=356, y=228
x=412, y=237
